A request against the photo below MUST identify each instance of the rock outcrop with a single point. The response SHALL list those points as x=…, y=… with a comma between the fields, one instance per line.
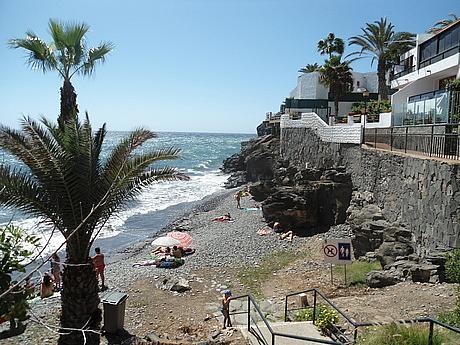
x=391, y=243
x=255, y=162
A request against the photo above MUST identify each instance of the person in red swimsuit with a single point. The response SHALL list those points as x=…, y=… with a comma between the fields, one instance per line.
x=99, y=265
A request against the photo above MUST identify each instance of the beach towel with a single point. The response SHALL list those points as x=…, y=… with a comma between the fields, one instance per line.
x=145, y=263
x=251, y=209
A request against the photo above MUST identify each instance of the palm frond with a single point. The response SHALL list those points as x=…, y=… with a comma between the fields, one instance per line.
x=96, y=55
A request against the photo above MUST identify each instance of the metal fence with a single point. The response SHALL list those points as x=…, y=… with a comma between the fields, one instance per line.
x=440, y=141
x=347, y=331
x=256, y=321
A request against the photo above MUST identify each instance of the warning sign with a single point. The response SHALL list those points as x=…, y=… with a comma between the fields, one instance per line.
x=338, y=251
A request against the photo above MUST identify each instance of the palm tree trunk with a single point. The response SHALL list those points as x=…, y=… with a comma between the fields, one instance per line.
x=336, y=105
x=80, y=304
x=381, y=74
x=69, y=108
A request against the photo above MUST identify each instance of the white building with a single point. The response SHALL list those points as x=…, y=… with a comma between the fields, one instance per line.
x=311, y=96
x=421, y=76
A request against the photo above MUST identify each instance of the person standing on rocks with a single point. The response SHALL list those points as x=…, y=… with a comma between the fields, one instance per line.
x=226, y=308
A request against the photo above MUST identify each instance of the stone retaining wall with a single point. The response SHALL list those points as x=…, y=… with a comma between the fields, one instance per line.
x=421, y=193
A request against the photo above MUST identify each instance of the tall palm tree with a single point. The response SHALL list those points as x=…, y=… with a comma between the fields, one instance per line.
x=310, y=68
x=70, y=186
x=67, y=54
x=441, y=24
x=380, y=42
x=330, y=45
x=336, y=75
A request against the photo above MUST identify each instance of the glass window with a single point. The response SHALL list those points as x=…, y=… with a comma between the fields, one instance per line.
x=419, y=112
x=429, y=111
x=442, y=105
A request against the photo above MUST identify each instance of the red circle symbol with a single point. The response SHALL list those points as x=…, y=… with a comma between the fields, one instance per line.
x=330, y=250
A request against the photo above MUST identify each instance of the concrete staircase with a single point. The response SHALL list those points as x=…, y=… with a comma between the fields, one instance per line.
x=305, y=329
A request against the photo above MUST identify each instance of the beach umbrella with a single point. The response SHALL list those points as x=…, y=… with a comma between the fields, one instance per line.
x=165, y=241
x=184, y=238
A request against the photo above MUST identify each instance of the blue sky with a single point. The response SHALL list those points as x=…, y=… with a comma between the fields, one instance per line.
x=189, y=65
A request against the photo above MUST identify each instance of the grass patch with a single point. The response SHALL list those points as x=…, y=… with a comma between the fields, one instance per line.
x=393, y=334
x=253, y=277
x=356, y=272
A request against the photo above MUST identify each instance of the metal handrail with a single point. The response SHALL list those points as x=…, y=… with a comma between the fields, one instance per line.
x=356, y=325
x=274, y=334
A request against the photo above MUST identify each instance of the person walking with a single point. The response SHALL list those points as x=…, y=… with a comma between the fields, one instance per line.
x=99, y=266
x=226, y=308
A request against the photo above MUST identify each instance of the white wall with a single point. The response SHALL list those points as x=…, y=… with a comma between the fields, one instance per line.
x=384, y=121
x=309, y=87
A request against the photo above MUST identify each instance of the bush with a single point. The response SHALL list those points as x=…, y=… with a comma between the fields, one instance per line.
x=394, y=334
x=13, y=243
x=325, y=317
x=372, y=107
x=453, y=266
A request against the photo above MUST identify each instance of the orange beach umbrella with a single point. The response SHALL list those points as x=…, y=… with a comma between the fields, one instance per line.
x=184, y=238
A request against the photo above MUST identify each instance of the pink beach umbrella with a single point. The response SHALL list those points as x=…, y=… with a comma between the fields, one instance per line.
x=184, y=238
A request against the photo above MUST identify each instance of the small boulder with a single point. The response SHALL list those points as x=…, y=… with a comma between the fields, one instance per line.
x=181, y=285
x=379, y=279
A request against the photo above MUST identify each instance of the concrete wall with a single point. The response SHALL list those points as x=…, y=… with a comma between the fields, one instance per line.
x=423, y=194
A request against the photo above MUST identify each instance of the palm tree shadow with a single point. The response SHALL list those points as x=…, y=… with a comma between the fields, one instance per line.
x=121, y=337
x=12, y=333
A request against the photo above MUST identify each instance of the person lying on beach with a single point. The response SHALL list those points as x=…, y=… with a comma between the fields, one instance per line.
x=225, y=218
x=264, y=231
x=47, y=286
x=176, y=252
x=287, y=234
x=277, y=228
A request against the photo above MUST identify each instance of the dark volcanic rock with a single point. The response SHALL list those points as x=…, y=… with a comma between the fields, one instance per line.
x=379, y=279
x=236, y=179
x=307, y=205
x=389, y=251
x=256, y=160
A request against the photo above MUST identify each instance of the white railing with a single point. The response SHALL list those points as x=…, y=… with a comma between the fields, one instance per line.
x=332, y=134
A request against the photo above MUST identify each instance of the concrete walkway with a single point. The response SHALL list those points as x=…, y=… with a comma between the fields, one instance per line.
x=304, y=329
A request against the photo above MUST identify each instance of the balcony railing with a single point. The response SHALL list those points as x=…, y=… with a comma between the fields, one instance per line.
x=442, y=141
x=439, y=57
x=403, y=73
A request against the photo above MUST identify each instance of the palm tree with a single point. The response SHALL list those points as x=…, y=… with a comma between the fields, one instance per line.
x=68, y=184
x=310, y=68
x=67, y=54
x=330, y=45
x=441, y=24
x=336, y=75
x=382, y=43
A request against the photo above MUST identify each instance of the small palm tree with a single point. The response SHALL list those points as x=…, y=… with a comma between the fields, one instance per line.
x=310, y=68
x=336, y=75
x=440, y=24
x=331, y=45
x=68, y=184
x=380, y=42
x=67, y=54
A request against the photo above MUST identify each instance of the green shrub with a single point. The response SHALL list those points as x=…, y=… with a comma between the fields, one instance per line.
x=394, y=334
x=13, y=253
x=325, y=317
x=453, y=266
x=372, y=107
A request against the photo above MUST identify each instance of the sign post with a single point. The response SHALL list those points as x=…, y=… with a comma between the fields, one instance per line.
x=338, y=251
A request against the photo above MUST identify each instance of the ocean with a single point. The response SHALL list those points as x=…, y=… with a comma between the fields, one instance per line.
x=202, y=155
